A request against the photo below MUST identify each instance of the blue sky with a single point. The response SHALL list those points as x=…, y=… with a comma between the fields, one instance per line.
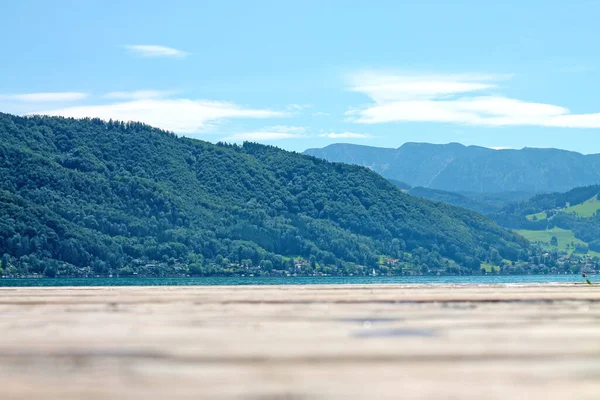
x=300, y=74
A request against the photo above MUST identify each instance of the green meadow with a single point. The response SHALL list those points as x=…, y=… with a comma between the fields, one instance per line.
x=537, y=217
x=565, y=239
x=586, y=209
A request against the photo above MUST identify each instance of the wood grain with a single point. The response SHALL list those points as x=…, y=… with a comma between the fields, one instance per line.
x=301, y=342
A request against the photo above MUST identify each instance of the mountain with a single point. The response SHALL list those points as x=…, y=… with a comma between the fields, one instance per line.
x=484, y=203
x=570, y=218
x=457, y=168
x=81, y=197
x=405, y=187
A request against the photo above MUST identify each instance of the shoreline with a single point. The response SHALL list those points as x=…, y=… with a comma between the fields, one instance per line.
x=136, y=276
x=294, y=281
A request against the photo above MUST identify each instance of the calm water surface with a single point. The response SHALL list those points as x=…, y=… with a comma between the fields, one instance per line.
x=234, y=281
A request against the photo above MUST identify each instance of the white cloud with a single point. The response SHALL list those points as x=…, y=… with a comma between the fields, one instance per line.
x=384, y=87
x=290, y=132
x=260, y=136
x=346, y=135
x=320, y=114
x=44, y=97
x=139, y=94
x=460, y=99
x=298, y=107
x=288, y=129
x=178, y=115
x=269, y=133
x=155, y=51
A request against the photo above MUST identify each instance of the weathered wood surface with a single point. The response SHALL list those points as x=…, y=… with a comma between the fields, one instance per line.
x=301, y=342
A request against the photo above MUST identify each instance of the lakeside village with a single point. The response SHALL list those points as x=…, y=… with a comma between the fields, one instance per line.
x=543, y=262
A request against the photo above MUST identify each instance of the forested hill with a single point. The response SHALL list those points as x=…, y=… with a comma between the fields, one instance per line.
x=553, y=201
x=85, y=196
x=457, y=168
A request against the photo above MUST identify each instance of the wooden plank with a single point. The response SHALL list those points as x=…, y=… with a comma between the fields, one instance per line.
x=301, y=342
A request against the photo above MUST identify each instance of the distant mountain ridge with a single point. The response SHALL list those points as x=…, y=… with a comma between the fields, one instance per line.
x=458, y=168
x=484, y=203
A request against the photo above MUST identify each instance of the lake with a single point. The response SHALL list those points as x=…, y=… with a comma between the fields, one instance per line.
x=328, y=280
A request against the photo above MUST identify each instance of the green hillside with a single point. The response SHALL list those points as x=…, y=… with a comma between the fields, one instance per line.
x=537, y=216
x=564, y=238
x=80, y=197
x=571, y=217
x=586, y=209
x=565, y=241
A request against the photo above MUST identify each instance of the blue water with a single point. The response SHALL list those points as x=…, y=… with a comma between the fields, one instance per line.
x=234, y=281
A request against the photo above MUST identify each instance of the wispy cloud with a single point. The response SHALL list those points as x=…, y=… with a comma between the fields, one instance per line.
x=269, y=133
x=459, y=99
x=44, y=97
x=155, y=51
x=178, y=115
x=346, y=135
x=320, y=114
x=298, y=107
x=139, y=94
x=384, y=87
x=290, y=132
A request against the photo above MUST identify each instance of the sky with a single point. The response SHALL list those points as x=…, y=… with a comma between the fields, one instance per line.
x=302, y=74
